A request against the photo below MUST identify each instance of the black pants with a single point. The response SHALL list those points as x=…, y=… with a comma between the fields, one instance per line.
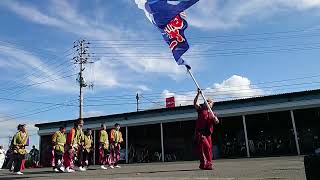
x=10, y=162
x=17, y=160
x=86, y=157
x=80, y=158
x=57, y=156
x=106, y=153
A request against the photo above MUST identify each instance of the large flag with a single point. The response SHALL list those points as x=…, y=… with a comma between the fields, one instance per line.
x=166, y=16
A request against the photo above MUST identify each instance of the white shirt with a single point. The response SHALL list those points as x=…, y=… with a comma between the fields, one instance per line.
x=2, y=153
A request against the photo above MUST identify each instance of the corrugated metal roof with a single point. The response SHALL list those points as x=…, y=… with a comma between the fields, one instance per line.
x=190, y=107
x=306, y=92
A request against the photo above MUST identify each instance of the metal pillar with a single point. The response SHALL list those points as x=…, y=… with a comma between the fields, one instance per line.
x=162, y=147
x=295, y=131
x=127, y=139
x=94, y=147
x=246, y=134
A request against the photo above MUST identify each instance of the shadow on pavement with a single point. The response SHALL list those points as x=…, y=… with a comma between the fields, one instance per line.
x=153, y=172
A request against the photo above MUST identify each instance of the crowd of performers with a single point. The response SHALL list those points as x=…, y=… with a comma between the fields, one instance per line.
x=75, y=149
x=72, y=151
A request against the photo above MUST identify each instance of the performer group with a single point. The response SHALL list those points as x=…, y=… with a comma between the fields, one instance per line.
x=72, y=151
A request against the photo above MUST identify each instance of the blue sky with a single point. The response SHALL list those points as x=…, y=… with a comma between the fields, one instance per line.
x=238, y=49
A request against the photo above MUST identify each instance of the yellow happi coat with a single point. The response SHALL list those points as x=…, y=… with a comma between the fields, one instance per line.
x=103, y=139
x=19, y=142
x=59, y=140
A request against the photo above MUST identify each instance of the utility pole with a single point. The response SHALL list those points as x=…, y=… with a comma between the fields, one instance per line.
x=81, y=59
x=137, y=98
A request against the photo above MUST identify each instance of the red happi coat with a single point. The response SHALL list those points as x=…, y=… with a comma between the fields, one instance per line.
x=69, y=152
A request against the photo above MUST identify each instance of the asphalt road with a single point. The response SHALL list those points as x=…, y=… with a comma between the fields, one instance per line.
x=290, y=168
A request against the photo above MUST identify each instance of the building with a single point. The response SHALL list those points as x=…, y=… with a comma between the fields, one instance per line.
x=283, y=124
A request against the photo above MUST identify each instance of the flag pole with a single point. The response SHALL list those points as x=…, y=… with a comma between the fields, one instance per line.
x=204, y=98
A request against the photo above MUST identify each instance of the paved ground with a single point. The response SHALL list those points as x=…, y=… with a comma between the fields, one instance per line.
x=290, y=168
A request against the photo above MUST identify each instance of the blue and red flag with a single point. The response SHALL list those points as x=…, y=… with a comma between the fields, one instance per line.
x=166, y=15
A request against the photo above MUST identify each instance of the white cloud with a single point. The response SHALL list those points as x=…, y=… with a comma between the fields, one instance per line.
x=216, y=14
x=234, y=87
x=303, y=4
x=93, y=113
x=33, y=14
x=104, y=74
x=181, y=99
x=108, y=74
x=143, y=88
x=22, y=60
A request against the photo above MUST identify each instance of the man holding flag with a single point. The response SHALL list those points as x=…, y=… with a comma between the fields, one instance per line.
x=167, y=16
x=204, y=130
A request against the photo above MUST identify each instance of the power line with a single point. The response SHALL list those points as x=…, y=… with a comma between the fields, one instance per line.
x=114, y=104
x=128, y=96
x=220, y=36
x=10, y=46
x=220, y=99
x=217, y=92
x=43, y=82
x=194, y=52
x=157, y=98
x=206, y=42
x=153, y=101
x=43, y=77
x=235, y=53
x=231, y=90
x=25, y=87
x=81, y=59
x=187, y=101
x=154, y=45
x=33, y=51
x=214, y=93
x=13, y=116
x=36, y=102
x=36, y=69
x=31, y=114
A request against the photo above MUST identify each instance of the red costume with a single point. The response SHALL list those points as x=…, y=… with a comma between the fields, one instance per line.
x=68, y=156
x=52, y=159
x=204, y=129
x=116, y=140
